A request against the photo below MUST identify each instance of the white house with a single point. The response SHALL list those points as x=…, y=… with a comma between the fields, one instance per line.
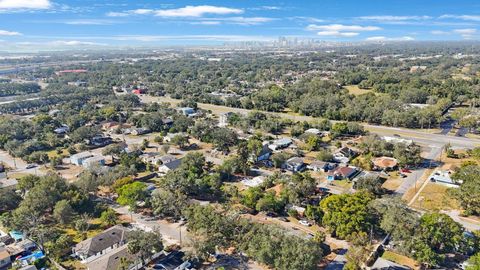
x=78, y=159
x=93, y=161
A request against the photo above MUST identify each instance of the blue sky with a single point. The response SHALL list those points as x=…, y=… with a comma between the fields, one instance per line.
x=59, y=24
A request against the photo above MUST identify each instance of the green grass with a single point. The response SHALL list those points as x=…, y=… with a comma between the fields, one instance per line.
x=355, y=90
x=400, y=259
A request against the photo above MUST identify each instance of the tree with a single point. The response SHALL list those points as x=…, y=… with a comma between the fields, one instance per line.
x=63, y=212
x=314, y=213
x=313, y=142
x=324, y=155
x=269, y=203
x=279, y=159
x=372, y=184
x=440, y=232
x=144, y=244
x=474, y=262
x=468, y=194
x=167, y=203
x=60, y=247
x=347, y=213
x=82, y=225
x=109, y=217
x=9, y=200
x=180, y=141
x=113, y=150
x=130, y=194
x=254, y=146
x=251, y=196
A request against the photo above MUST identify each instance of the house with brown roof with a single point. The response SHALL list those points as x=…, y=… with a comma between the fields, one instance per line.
x=385, y=163
x=340, y=173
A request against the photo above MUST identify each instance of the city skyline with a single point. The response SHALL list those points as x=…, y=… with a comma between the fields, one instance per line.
x=61, y=24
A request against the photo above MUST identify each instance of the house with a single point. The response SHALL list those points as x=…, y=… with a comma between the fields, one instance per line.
x=78, y=83
x=187, y=111
x=170, y=136
x=99, y=141
x=294, y=164
x=223, y=119
x=5, y=238
x=167, y=123
x=316, y=131
x=280, y=144
x=344, y=155
x=4, y=257
x=63, y=129
x=101, y=243
x=169, y=166
x=112, y=259
x=300, y=210
x=140, y=131
x=323, y=166
x=150, y=157
x=28, y=267
x=166, y=159
x=443, y=178
x=383, y=264
x=173, y=261
x=385, y=163
x=397, y=140
x=93, y=161
x=78, y=159
x=138, y=91
x=340, y=173
x=253, y=182
x=21, y=247
x=264, y=154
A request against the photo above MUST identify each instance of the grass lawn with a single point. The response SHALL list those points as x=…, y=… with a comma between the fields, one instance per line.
x=434, y=197
x=355, y=90
x=95, y=228
x=345, y=184
x=53, y=153
x=393, y=182
x=400, y=259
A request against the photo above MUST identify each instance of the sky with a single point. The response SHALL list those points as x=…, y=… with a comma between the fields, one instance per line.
x=60, y=24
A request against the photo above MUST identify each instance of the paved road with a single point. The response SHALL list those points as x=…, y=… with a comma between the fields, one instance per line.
x=418, y=136
x=17, y=165
x=415, y=175
x=171, y=232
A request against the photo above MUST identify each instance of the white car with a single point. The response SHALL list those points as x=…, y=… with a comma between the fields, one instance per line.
x=305, y=223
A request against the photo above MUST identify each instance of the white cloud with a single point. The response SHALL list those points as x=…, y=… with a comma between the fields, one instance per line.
x=207, y=22
x=89, y=22
x=383, y=38
x=25, y=4
x=390, y=18
x=117, y=14
x=74, y=43
x=142, y=11
x=439, y=32
x=197, y=11
x=9, y=33
x=222, y=38
x=466, y=31
x=341, y=27
x=461, y=17
x=246, y=20
x=337, y=34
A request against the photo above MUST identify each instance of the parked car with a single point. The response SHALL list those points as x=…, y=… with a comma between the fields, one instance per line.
x=305, y=223
x=31, y=166
x=284, y=219
x=405, y=170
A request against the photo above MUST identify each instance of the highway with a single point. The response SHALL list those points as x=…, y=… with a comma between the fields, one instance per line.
x=418, y=136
